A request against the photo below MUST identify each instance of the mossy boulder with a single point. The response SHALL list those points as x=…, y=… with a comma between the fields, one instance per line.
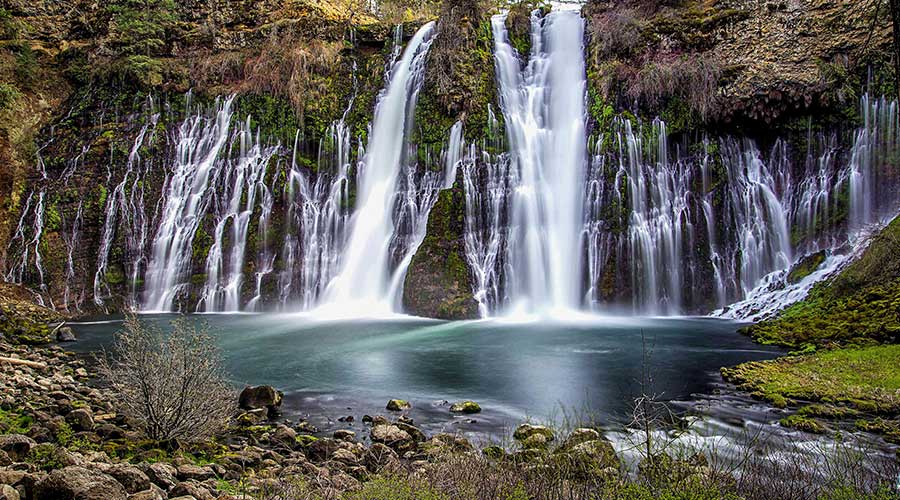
x=398, y=405
x=590, y=458
x=526, y=431
x=803, y=423
x=465, y=407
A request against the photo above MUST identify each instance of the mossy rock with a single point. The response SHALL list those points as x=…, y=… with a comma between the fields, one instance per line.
x=468, y=407
x=398, y=405
x=526, y=431
x=588, y=459
x=803, y=423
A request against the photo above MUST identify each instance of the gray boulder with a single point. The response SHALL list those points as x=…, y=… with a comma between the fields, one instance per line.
x=78, y=483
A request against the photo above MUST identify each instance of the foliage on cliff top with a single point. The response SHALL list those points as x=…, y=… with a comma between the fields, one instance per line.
x=860, y=305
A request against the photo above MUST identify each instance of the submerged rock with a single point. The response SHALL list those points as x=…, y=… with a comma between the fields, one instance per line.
x=465, y=407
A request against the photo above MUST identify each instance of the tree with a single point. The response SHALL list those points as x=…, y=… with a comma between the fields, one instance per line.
x=171, y=385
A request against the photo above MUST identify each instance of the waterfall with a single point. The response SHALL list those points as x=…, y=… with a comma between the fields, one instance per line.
x=30, y=246
x=486, y=184
x=320, y=212
x=115, y=203
x=71, y=239
x=199, y=141
x=363, y=286
x=543, y=107
x=240, y=183
x=876, y=143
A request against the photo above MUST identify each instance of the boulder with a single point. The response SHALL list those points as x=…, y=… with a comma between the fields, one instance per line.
x=188, y=472
x=398, y=405
x=4, y=459
x=65, y=334
x=152, y=493
x=263, y=396
x=380, y=458
x=16, y=446
x=78, y=483
x=414, y=432
x=579, y=436
x=285, y=435
x=526, y=431
x=191, y=489
x=446, y=443
x=7, y=492
x=162, y=475
x=467, y=407
x=588, y=459
x=130, y=477
x=81, y=419
x=344, y=435
x=392, y=436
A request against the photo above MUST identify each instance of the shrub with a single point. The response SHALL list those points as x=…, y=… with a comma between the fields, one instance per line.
x=171, y=385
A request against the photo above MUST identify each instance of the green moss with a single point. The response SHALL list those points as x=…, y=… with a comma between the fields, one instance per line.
x=865, y=379
x=14, y=422
x=859, y=306
x=803, y=423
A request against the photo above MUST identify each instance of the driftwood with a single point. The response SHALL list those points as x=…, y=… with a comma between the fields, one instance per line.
x=23, y=362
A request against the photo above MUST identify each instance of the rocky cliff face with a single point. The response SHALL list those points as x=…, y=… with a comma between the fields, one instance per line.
x=77, y=99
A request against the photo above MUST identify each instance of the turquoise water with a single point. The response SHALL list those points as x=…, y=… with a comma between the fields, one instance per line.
x=539, y=370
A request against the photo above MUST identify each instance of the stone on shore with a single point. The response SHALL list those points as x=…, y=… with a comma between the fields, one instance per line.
x=78, y=483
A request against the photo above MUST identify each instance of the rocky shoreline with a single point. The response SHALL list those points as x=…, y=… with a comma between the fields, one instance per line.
x=62, y=438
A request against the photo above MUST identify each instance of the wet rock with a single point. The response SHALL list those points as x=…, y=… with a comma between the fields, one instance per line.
x=263, y=396
x=65, y=334
x=398, y=405
x=467, y=407
x=81, y=419
x=348, y=418
x=344, y=435
x=16, y=446
x=78, y=483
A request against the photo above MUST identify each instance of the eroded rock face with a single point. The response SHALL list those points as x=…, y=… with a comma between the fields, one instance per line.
x=79, y=483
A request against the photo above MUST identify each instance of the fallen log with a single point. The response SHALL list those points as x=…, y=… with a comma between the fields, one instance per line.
x=23, y=362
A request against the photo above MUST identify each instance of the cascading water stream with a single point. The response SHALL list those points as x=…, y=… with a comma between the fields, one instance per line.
x=363, y=286
x=116, y=203
x=544, y=111
x=200, y=140
x=241, y=181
